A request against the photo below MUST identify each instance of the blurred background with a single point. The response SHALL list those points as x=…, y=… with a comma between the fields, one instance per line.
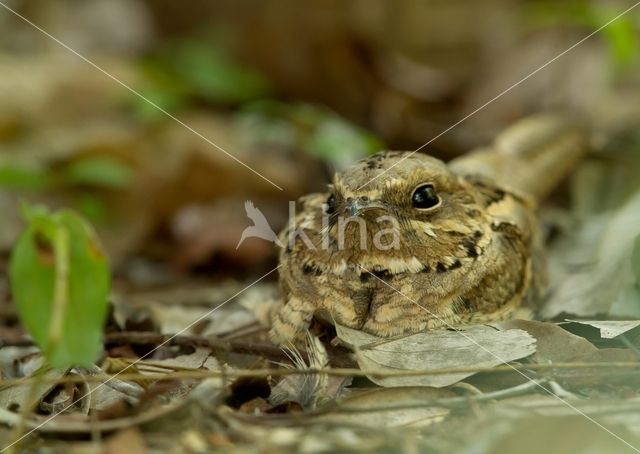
x=112, y=108
x=293, y=89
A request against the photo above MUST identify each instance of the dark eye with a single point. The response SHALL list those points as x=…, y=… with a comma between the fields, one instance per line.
x=425, y=196
x=331, y=204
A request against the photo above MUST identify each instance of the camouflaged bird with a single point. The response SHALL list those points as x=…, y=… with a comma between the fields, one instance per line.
x=467, y=247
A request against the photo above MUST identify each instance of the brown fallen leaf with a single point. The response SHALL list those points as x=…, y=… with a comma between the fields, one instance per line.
x=478, y=346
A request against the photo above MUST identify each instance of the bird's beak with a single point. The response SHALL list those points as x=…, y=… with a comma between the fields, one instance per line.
x=357, y=206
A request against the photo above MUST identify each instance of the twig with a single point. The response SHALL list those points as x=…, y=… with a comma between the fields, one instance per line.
x=267, y=351
x=468, y=387
x=131, y=391
x=238, y=373
x=449, y=402
x=559, y=391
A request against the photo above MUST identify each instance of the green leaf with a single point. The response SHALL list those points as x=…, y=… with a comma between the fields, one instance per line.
x=23, y=178
x=100, y=171
x=60, y=283
x=215, y=76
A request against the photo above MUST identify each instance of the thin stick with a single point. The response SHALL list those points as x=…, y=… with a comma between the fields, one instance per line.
x=338, y=372
x=267, y=351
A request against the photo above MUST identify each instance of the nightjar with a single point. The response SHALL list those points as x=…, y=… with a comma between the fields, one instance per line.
x=402, y=242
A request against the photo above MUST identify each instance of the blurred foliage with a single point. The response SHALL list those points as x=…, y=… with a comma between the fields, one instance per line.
x=321, y=132
x=89, y=173
x=99, y=171
x=620, y=35
x=16, y=177
x=96, y=171
x=185, y=72
x=181, y=74
x=65, y=311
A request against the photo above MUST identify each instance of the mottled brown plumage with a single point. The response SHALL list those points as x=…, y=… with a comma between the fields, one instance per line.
x=468, y=248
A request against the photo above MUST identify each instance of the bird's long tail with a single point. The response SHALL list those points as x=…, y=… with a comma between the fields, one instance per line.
x=532, y=156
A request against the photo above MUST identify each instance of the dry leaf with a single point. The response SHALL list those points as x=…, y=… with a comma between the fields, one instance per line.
x=552, y=342
x=477, y=346
x=592, y=268
x=103, y=396
x=399, y=417
x=192, y=361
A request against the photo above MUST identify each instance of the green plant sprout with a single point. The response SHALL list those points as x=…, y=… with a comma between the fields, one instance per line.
x=60, y=282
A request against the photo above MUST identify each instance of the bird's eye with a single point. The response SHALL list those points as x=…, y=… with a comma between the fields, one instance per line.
x=331, y=204
x=424, y=196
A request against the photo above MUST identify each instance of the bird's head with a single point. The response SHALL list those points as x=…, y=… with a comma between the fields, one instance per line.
x=430, y=212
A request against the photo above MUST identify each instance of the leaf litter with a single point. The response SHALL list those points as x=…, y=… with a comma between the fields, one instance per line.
x=435, y=391
x=454, y=378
